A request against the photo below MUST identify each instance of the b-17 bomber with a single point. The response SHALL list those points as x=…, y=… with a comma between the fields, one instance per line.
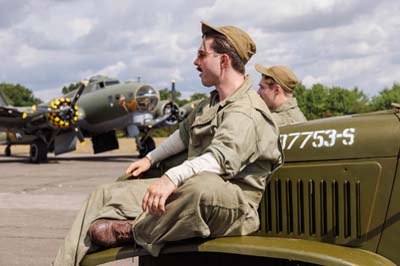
x=96, y=110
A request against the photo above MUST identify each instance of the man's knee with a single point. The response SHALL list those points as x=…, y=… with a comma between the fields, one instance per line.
x=211, y=189
x=203, y=182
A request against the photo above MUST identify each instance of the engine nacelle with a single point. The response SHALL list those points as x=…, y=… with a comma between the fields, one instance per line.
x=62, y=113
x=167, y=108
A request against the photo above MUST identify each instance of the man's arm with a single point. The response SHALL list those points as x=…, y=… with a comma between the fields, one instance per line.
x=158, y=192
x=204, y=163
x=172, y=145
x=234, y=145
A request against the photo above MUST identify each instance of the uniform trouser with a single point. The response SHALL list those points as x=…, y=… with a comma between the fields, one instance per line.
x=203, y=206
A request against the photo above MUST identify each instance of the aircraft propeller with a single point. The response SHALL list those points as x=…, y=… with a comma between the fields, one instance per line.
x=63, y=112
x=79, y=135
x=174, y=112
x=170, y=111
x=79, y=91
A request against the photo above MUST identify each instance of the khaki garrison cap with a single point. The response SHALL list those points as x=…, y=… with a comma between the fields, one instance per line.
x=241, y=41
x=281, y=74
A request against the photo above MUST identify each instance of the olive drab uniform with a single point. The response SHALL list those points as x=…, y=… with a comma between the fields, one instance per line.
x=288, y=113
x=242, y=136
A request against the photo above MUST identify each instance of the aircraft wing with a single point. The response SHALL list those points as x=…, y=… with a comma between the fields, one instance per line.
x=12, y=117
x=10, y=112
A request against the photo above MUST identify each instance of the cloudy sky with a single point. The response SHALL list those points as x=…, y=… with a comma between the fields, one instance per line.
x=46, y=44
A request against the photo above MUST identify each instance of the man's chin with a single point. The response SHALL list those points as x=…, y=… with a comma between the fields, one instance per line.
x=206, y=83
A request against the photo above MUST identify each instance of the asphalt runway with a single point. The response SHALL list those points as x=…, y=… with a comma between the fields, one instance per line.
x=38, y=202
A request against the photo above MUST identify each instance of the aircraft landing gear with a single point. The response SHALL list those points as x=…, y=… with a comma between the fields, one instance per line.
x=145, y=146
x=38, y=151
x=7, y=151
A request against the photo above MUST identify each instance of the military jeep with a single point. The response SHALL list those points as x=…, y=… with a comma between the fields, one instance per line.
x=336, y=201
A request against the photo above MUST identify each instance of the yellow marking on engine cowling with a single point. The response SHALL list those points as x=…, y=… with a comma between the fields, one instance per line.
x=131, y=105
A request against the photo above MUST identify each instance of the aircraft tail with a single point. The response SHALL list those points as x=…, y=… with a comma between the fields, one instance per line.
x=3, y=101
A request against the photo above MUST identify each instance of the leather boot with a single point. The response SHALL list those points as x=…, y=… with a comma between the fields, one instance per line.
x=111, y=233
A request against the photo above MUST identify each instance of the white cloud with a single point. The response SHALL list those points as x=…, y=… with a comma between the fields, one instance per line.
x=26, y=56
x=48, y=94
x=310, y=80
x=47, y=44
x=113, y=70
x=80, y=27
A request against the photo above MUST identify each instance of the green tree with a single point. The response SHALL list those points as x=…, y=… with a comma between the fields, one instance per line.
x=385, y=98
x=70, y=87
x=300, y=94
x=18, y=95
x=321, y=101
x=314, y=101
x=342, y=102
x=165, y=94
x=198, y=96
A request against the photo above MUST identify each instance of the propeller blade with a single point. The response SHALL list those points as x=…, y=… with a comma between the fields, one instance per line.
x=79, y=91
x=174, y=108
x=44, y=109
x=173, y=92
x=79, y=135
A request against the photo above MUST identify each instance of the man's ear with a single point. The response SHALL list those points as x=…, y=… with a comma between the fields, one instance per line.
x=278, y=89
x=225, y=60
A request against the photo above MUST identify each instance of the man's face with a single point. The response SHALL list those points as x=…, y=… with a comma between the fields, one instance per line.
x=267, y=92
x=208, y=62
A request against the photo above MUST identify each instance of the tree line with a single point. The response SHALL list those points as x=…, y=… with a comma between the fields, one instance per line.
x=319, y=101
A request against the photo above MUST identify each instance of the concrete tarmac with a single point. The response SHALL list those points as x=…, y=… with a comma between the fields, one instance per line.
x=38, y=202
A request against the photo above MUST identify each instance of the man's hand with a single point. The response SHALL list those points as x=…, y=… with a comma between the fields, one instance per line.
x=138, y=167
x=157, y=194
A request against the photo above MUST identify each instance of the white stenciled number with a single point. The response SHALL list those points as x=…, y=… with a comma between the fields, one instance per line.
x=349, y=134
x=283, y=140
x=308, y=135
x=295, y=137
x=318, y=139
x=332, y=138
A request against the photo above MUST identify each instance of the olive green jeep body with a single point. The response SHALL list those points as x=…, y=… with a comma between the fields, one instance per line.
x=336, y=201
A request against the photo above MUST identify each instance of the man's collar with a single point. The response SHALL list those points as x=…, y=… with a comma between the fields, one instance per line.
x=246, y=85
x=288, y=104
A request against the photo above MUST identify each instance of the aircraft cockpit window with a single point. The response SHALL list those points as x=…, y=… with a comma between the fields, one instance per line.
x=89, y=87
x=95, y=86
x=112, y=82
x=101, y=85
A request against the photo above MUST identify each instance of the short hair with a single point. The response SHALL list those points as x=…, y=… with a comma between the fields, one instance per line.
x=222, y=45
x=274, y=82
